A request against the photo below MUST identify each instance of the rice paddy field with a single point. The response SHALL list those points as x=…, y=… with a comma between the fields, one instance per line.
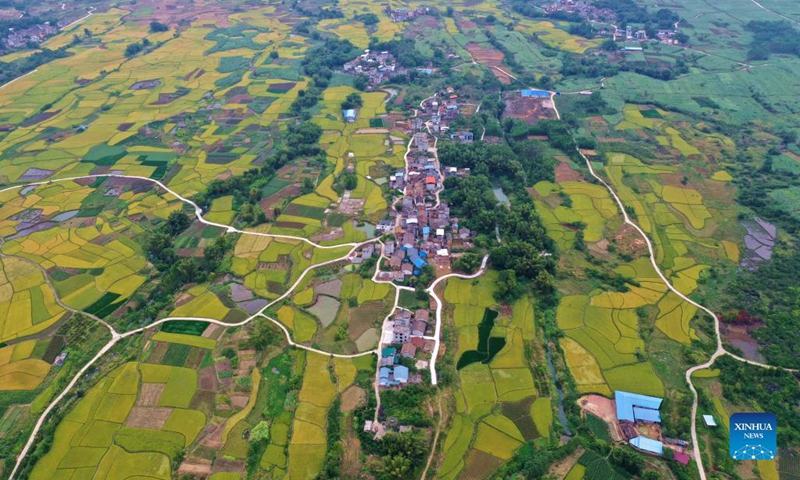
x=119, y=429
x=210, y=102
x=337, y=310
x=498, y=405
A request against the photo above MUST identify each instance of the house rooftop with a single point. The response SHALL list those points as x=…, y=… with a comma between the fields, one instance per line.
x=647, y=444
x=632, y=406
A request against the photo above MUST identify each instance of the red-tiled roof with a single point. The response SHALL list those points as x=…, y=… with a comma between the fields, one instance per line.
x=681, y=458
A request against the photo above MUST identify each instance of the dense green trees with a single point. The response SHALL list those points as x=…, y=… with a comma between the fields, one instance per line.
x=467, y=263
x=21, y=66
x=772, y=37
x=158, y=27
x=353, y=100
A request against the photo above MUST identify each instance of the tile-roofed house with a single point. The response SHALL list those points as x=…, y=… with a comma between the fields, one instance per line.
x=418, y=328
x=408, y=350
x=422, y=314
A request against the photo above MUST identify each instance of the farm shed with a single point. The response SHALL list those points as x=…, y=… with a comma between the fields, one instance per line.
x=633, y=407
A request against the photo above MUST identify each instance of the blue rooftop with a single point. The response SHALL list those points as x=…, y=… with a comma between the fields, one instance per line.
x=350, y=113
x=535, y=93
x=425, y=230
x=646, y=414
x=388, y=352
x=418, y=262
x=626, y=401
x=648, y=445
x=401, y=374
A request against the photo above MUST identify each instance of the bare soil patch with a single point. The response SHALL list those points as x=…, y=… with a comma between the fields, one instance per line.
x=528, y=109
x=604, y=408
x=491, y=57
x=565, y=173
x=352, y=398
x=148, y=417
x=150, y=393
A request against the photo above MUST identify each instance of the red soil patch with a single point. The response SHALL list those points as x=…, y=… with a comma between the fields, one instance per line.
x=565, y=173
x=466, y=23
x=491, y=57
x=207, y=379
x=528, y=109
x=604, y=408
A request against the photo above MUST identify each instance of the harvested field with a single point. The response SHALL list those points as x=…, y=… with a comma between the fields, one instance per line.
x=490, y=57
x=148, y=417
x=149, y=394
x=352, y=398
x=364, y=317
x=480, y=465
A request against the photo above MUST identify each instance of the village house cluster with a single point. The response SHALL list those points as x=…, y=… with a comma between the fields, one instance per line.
x=404, y=337
x=377, y=67
x=586, y=10
x=36, y=34
x=441, y=109
x=403, y=15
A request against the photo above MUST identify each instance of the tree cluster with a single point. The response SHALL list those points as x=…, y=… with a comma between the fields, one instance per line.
x=778, y=37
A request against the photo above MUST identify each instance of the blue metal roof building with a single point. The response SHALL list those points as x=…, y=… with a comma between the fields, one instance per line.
x=535, y=93
x=401, y=374
x=632, y=407
x=646, y=414
x=350, y=115
x=648, y=445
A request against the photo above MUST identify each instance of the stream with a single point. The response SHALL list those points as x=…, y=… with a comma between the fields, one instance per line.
x=561, y=413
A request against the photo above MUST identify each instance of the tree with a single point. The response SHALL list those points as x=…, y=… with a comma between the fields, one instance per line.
x=177, y=222
x=308, y=186
x=609, y=45
x=273, y=54
x=353, y=100
x=260, y=432
x=629, y=460
x=396, y=467
x=468, y=263
x=158, y=27
x=360, y=83
x=263, y=334
x=508, y=289
x=87, y=33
